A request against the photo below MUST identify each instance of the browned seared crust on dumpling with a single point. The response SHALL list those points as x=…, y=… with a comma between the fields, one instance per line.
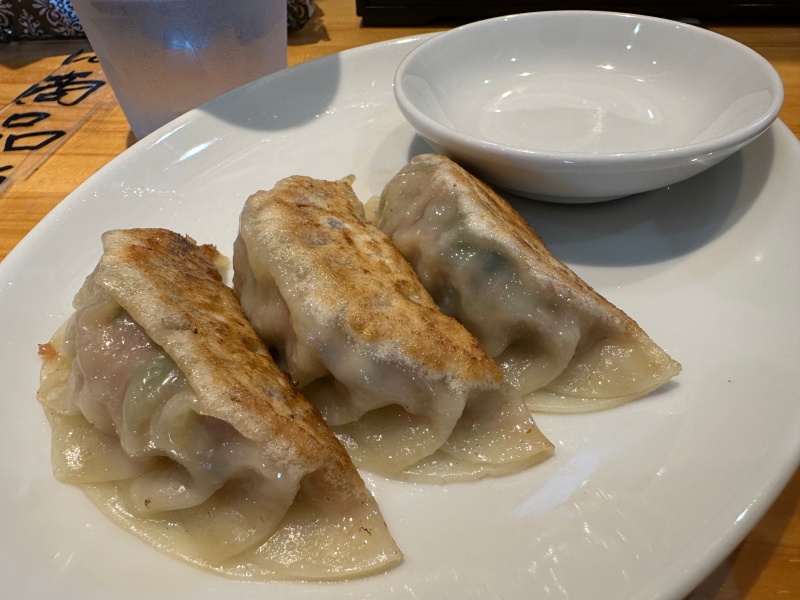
x=213, y=454
x=561, y=343
x=399, y=382
x=325, y=235
x=170, y=286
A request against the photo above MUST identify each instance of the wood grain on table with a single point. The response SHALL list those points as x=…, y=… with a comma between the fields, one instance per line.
x=766, y=566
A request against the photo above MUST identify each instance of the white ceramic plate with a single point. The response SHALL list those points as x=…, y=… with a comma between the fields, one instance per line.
x=639, y=502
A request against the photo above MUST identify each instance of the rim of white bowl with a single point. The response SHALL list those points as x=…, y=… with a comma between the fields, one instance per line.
x=438, y=132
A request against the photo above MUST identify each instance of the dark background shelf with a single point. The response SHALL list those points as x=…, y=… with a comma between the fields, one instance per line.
x=417, y=12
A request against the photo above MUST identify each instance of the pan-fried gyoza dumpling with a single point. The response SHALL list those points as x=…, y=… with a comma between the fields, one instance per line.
x=560, y=343
x=167, y=409
x=409, y=392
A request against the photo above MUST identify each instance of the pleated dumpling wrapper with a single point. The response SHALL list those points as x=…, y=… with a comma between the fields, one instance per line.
x=565, y=347
x=409, y=392
x=167, y=409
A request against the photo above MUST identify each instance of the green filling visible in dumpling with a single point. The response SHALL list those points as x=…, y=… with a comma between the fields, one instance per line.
x=149, y=389
x=492, y=263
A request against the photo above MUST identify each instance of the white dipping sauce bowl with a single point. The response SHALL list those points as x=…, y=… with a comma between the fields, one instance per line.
x=585, y=106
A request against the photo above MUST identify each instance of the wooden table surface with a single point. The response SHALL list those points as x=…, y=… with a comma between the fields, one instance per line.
x=41, y=169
